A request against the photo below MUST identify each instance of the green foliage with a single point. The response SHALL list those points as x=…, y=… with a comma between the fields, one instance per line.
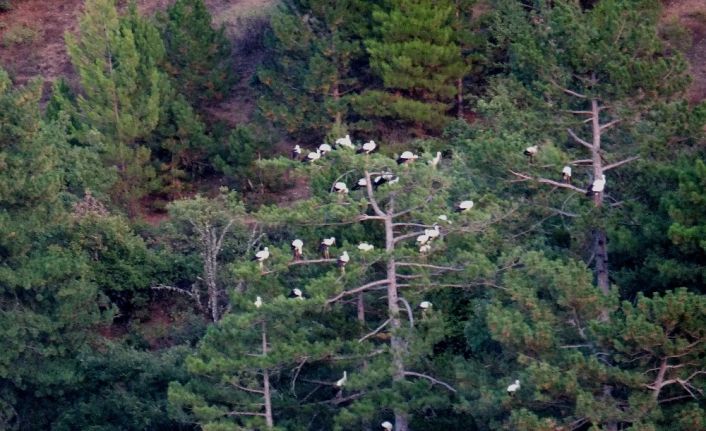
x=198, y=56
x=314, y=48
x=48, y=301
x=414, y=51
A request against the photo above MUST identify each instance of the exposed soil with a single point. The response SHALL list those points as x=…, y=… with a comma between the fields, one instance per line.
x=691, y=15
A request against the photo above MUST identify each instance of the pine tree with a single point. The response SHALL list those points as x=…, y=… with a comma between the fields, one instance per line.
x=383, y=343
x=315, y=50
x=594, y=81
x=415, y=53
x=198, y=56
x=48, y=303
x=122, y=90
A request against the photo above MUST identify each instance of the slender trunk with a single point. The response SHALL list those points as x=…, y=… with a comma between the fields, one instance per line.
x=396, y=343
x=600, y=246
x=210, y=269
x=338, y=118
x=459, y=81
x=361, y=308
x=266, y=382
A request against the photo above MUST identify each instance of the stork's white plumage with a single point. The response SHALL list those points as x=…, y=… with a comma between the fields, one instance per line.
x=324, y=246
x=343, y=259
x=325, y=148
x=422, y=239
x=531, y=150
x=312, y=156
x=360, y=184
x=435, y=161
x=444, y=217
x=340, y=187
x=297, y=248
x=258, y=302
x=432, y=233
x=367, y=147
x=426, y=248
x=566, y=174
x=345, y=142
x=342, y=381
x=296, y=151
x=598, y=185
x=425, y=305
x=513, y=387
x=262, y=255
x=407, y=157
x=387, y=426
x=296, y=293
x=364, y=246
x=464, y=206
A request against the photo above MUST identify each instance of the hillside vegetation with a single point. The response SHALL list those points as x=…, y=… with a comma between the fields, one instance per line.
x=354, y=215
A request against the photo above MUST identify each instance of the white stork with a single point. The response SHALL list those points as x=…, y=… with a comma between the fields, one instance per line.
x=435, y=161
x=387, y=426
x=531, y=151
x=406, y=158
x=258, y=302
x=342, y=381
x=261, y=256
x=422, y=239
x=464, y=206
x=566, y=174
x=297, y=248
x=432, y=233
x=324, y=246
x=340, y=187
x=425, y=305
x=296, y=293
x=367, y=148
x=597, y=187
x=426, y=248
x=343, y=259
x=513, y=387
x=345, y=142
x=365, y=247
x=296, y=152
x=360, y=184
x=325, y=148
x=312, y=156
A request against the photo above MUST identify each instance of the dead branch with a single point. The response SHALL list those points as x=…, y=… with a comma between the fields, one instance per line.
x=431, y=379
x=579, y=140
x=620, y=163
x=357, y=290
x=378, y=329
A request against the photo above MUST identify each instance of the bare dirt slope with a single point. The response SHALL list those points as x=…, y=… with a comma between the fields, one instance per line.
x=32, y=33
x=691, y=15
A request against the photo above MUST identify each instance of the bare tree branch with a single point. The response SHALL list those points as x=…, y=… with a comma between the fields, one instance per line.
x=357, y=290
x=609, y=125
x=548, y=181
x=371, y=197
x=378, y=329
x=426, y=265
x=409, y=311
x=620, y=163
x=234, y=413
x=579, y=140
x=431, y=379
x=243, y=388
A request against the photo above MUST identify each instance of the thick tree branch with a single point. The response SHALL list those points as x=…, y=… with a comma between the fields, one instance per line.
x=243, y=388
x=234, y=413
x=409, y=311
x=431, y=379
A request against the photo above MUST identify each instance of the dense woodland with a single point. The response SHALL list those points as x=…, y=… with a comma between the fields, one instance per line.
x=523, y=249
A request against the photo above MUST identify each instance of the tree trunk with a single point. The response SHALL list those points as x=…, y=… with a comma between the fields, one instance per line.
x=396, y=343
x=266, y=382
x=600, y=246
x=338, y=119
